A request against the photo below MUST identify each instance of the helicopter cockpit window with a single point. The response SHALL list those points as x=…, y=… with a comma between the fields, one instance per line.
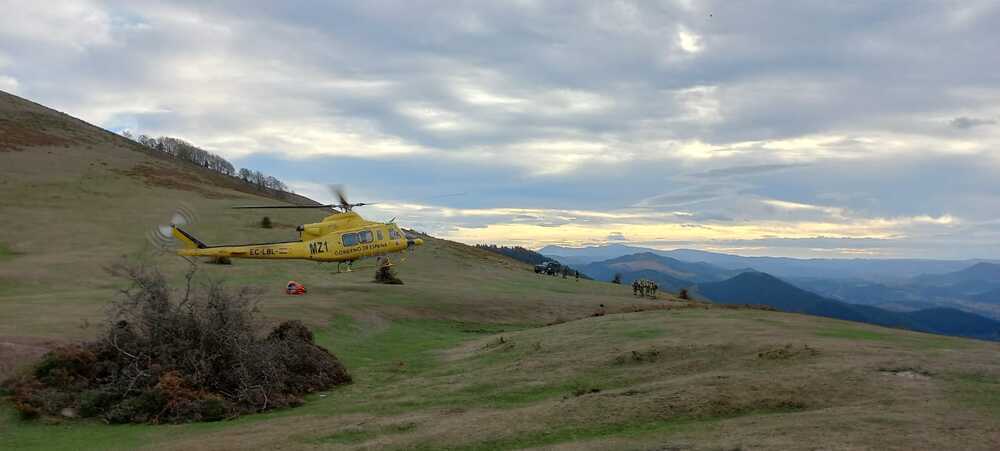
x=365, y=236
x=349, y=239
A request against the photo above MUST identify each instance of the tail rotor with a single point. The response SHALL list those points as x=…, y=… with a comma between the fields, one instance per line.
x=161, y=237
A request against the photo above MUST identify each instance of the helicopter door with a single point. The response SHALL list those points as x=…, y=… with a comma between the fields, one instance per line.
x=366, y=237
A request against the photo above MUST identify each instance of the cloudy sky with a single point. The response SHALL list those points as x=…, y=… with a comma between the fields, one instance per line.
x=840, y=129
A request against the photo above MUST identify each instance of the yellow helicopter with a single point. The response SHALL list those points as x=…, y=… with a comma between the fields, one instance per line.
x=342, y=237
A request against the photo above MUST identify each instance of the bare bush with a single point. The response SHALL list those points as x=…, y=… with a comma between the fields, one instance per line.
x=178, y=355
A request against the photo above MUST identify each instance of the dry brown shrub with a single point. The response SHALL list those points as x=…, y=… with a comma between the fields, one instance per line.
x=167, y=355
x=385, y=274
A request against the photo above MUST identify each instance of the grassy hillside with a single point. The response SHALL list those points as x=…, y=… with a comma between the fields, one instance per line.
x=475, y=351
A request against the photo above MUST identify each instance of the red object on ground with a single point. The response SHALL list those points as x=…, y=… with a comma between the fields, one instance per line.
x=294, y=288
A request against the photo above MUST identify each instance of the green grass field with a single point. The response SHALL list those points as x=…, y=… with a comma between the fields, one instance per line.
x=425, y=383
x=474, y=351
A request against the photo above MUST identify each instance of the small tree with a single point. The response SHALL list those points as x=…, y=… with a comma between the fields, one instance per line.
x=266, y=222
x=684, y=294
x=617, y=279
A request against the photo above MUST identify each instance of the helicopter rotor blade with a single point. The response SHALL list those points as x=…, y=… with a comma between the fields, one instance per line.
x=284, y=206
x=338, y=190
x=345, y=205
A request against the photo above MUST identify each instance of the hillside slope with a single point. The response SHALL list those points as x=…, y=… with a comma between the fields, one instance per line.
x=74, y=197
x=474, y=351
x=78, y=199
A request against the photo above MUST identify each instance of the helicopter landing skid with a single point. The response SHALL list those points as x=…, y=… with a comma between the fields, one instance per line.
x=383, y=262
x=349, y=269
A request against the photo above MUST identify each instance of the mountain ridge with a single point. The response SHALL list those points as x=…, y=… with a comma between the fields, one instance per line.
x=669, y=273
x=766, y=289
x=788, y=267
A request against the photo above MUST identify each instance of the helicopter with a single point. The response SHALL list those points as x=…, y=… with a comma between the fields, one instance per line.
x=342, y=237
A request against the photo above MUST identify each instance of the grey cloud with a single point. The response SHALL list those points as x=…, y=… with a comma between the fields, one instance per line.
x=616, y=236
x=747, y=170
x=690, y=193
x=472, y=84
x=970, y=122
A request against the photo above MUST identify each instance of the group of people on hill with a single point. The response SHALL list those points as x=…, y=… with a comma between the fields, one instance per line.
x=644, y=287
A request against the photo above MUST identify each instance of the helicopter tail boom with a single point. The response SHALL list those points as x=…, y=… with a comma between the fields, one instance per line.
x=188, y=240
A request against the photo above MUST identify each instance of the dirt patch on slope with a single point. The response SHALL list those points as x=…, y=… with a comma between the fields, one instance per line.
x=907, y=373
x=15, y=137
x=162, y=176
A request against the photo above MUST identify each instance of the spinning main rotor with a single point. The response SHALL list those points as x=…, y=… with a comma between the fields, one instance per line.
x=344, y=205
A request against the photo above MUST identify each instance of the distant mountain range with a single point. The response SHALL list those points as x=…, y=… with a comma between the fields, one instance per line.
x=826, y=268
x=669, y=273
x=762, y=288
x=978, y=277
x=963, y=302
x=975, y=289
x=991, y=297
